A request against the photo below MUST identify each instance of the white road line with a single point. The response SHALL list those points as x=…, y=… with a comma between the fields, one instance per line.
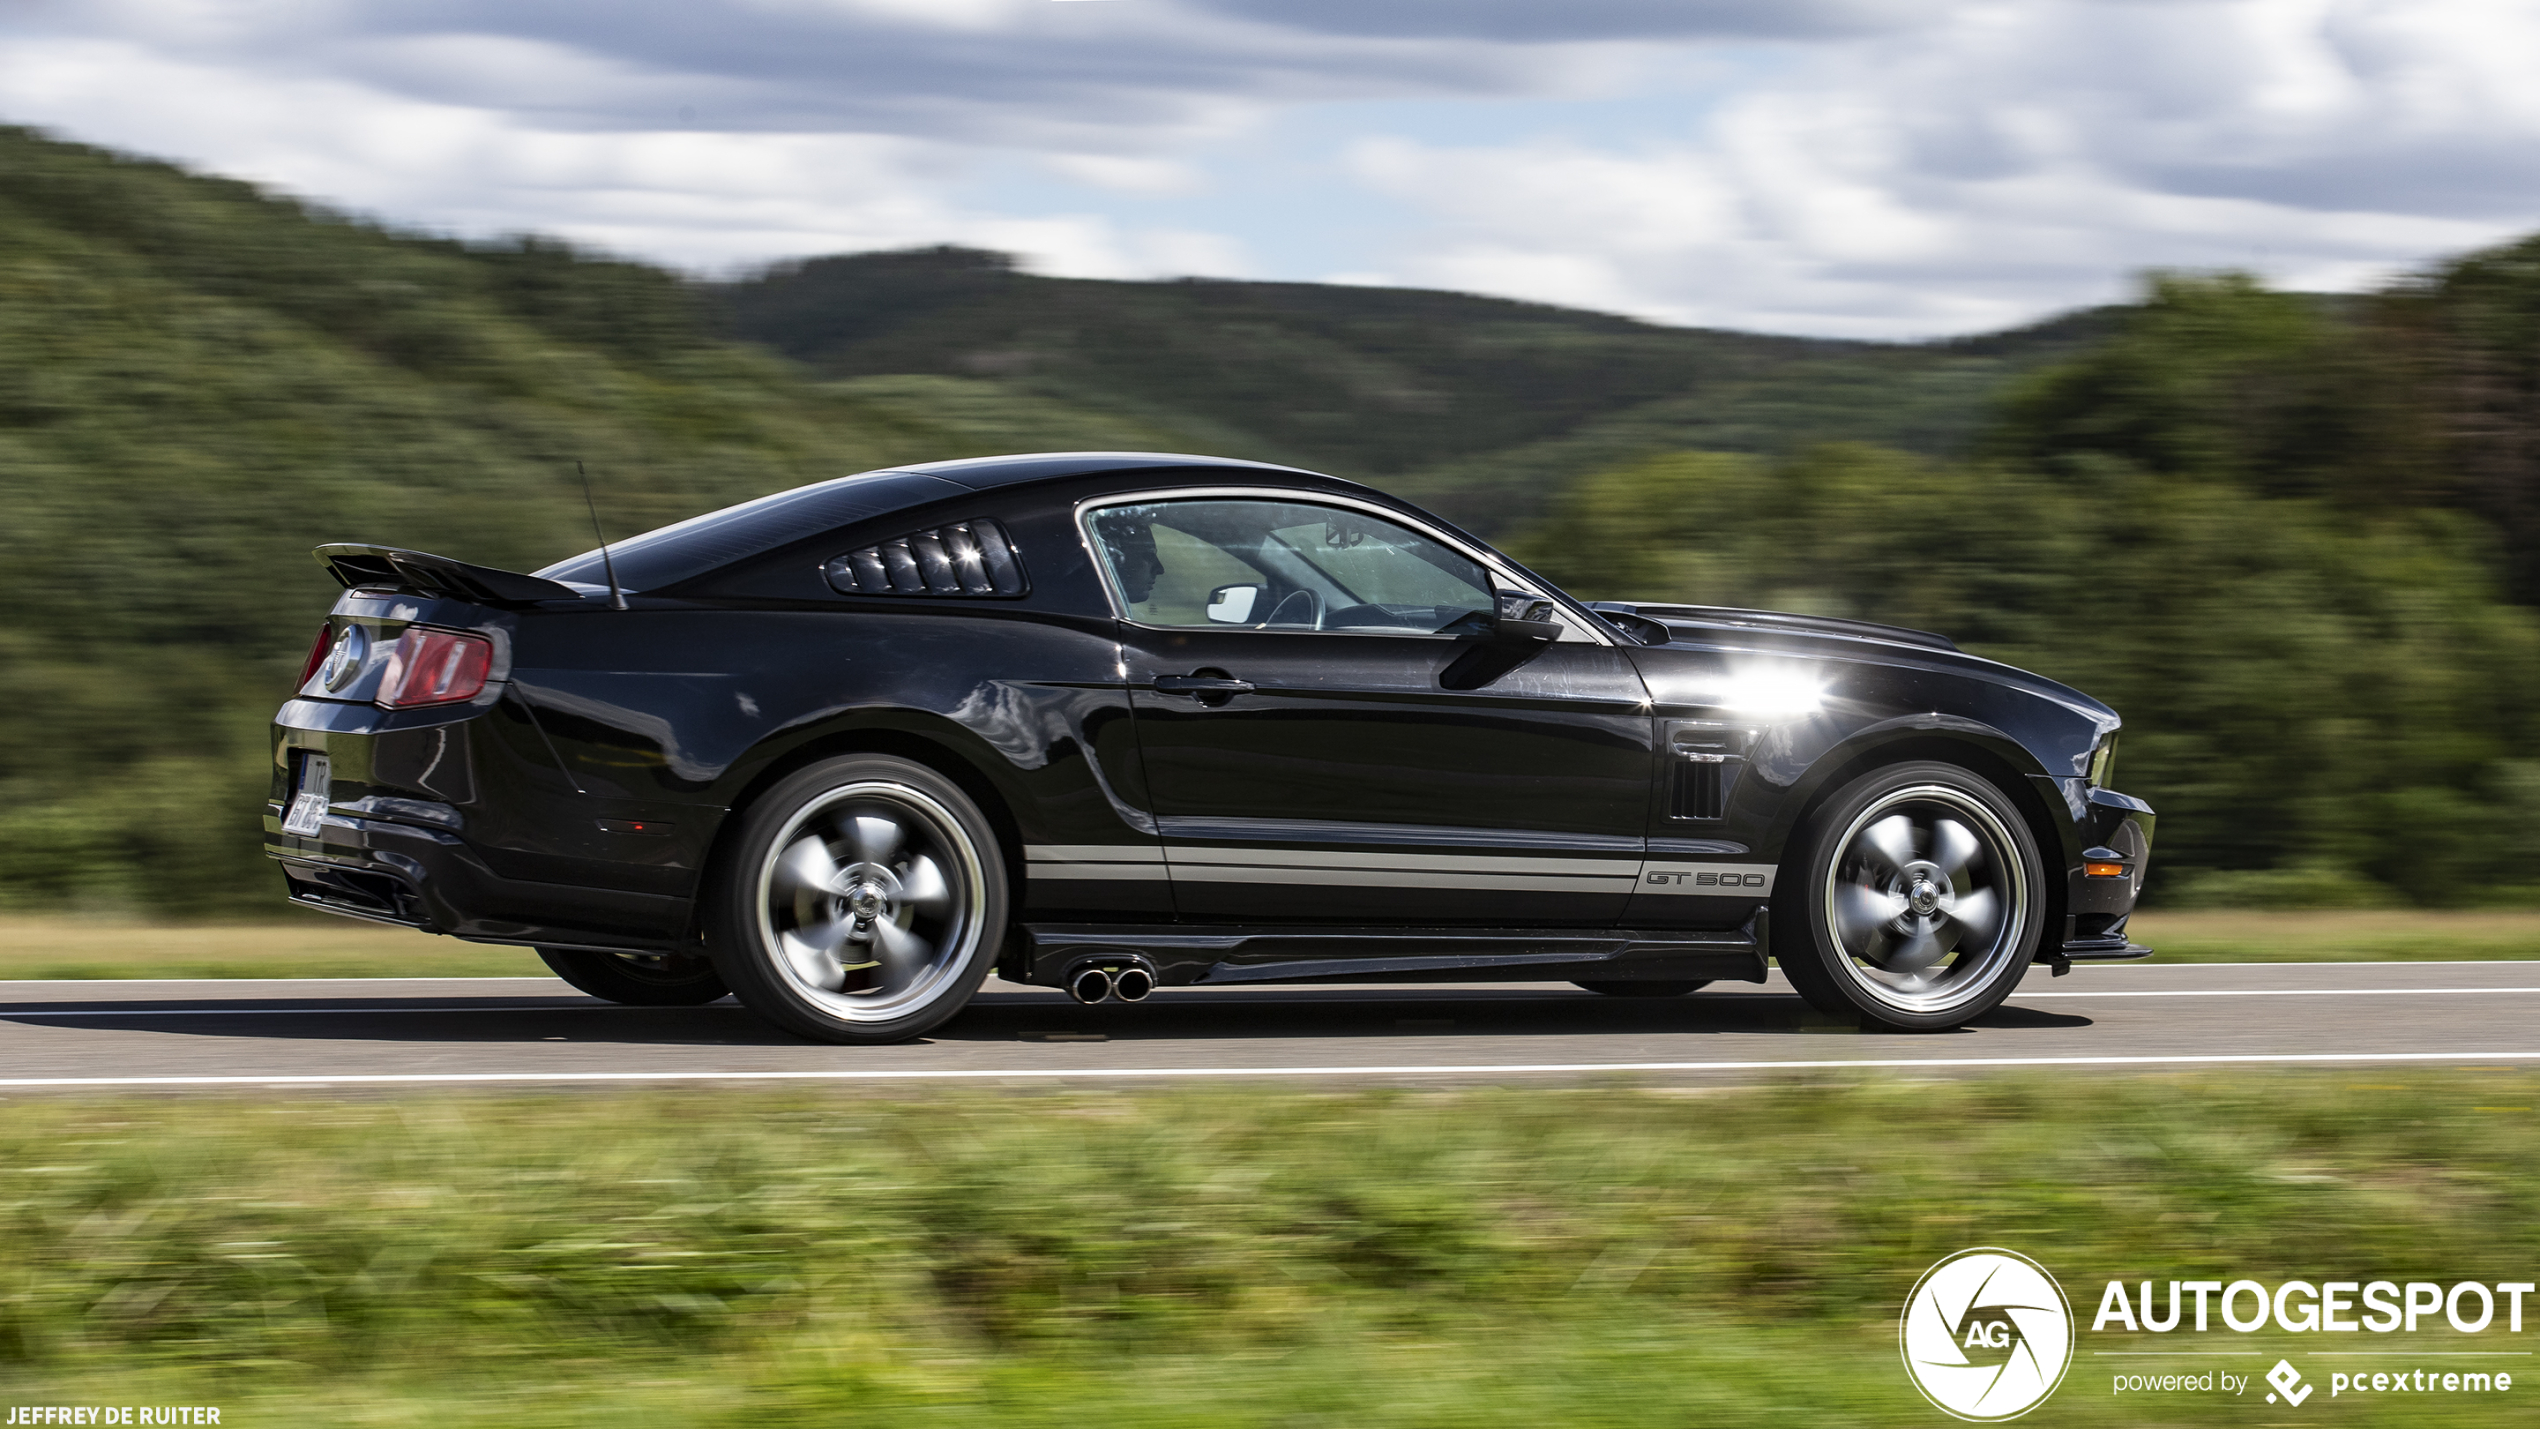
x=2138, y=966
x=229, y=981
x=2286, y=992
x=8, y=1014
x=974, y=1074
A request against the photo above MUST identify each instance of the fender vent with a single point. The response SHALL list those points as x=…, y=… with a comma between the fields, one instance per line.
x=1707, y=756
x=968, y=558
x=1701, y=785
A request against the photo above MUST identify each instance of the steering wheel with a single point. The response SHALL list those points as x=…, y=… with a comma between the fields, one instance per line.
x=1297, y=607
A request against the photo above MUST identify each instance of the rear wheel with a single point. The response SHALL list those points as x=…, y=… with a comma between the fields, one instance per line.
x=1644, y=989
x=1916, y=901
x=863, y=901
x=637, y=979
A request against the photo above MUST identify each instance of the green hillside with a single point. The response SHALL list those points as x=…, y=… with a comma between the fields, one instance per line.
x=205, y=381
x=1481, y=406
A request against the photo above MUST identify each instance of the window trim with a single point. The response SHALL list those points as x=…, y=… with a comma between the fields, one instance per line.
x=1489, y=560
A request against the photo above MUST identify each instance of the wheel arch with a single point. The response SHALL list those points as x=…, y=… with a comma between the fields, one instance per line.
x=939, y=749
x=1979, y=749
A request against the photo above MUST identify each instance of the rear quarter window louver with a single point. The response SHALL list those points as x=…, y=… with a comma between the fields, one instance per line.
x=975, y=559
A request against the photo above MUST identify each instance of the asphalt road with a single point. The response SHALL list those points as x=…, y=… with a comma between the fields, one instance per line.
x=70, y=1035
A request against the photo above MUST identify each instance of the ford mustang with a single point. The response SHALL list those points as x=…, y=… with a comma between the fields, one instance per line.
x=1118, y=721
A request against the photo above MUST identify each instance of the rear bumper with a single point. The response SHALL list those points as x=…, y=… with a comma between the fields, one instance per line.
x=426, y=878
x=457, y=821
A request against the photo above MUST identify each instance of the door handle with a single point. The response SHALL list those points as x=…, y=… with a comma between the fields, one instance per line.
x=1203, y=688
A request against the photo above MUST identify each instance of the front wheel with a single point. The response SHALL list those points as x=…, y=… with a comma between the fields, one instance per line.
x=1916, y=901
x=863, y=901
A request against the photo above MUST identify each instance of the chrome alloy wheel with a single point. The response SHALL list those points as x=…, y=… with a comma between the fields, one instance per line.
x=872, y=901
x=1926, y=898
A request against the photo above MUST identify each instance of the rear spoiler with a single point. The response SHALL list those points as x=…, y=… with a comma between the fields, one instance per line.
x=417, y=573
x=1779, y=620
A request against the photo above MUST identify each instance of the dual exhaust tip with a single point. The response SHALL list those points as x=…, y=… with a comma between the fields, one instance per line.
x=1129, y=984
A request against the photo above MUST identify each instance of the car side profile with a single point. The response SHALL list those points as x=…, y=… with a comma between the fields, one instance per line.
x=1118, y=721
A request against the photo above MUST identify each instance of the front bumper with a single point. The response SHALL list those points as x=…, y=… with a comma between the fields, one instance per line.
x=2115, y=830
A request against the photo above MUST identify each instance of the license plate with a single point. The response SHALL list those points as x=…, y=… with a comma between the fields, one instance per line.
x=308, y=806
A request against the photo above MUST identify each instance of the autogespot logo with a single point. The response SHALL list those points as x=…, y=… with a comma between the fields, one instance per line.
x=1987, y=1334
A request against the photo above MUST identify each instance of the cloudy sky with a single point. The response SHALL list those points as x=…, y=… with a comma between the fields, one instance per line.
x=1881, y=168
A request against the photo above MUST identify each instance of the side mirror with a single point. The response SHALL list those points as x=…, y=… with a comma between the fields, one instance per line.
x=1525, y=620
x=1510, y=635
x=1232, y=604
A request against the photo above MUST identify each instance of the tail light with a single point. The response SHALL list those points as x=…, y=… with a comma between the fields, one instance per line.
x=317, y=654
x=435, y=667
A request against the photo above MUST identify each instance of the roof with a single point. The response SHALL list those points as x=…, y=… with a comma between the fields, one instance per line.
x=986, y=472
x=699, y=544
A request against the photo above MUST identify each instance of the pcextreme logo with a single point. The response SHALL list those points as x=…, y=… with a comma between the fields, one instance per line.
x=1986, y=1335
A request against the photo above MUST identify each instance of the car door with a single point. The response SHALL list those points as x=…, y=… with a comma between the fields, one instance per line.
x=1327, y=742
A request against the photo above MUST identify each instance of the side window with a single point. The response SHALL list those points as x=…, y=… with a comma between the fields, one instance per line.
x=1282, y=565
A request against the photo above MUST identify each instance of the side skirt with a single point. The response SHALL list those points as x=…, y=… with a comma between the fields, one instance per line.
x=1184, y=955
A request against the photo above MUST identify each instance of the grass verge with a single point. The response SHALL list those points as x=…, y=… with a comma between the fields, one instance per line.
x=302, y=944
x=1611, y=1256
x=2293, y=936
x=320, y=945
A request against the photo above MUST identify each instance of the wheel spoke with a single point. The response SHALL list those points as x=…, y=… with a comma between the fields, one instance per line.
x=923, y=888
x=1978, y=912
x=806, y=875
x=814, y=949
x=1918, y=951
x=1953, y=847
x=903, y=955
x=1860, y=912
x=874, y=838
x=1890, y=841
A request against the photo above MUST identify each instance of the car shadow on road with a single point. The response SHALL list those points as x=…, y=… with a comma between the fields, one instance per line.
x=1179, y=1015
x=1464, y=1014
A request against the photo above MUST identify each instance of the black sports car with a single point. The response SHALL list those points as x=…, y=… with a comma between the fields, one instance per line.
x=1111, y=721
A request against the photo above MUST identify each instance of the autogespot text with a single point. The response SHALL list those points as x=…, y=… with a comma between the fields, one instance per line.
x=2379, y=1306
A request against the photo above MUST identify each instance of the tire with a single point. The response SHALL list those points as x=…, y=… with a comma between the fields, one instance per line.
x=1914, y=899
x=863, y=900
x=1645, y=989
x=637, y=979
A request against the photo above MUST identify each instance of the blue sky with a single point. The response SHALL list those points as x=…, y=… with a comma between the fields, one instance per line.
x=1847, y=167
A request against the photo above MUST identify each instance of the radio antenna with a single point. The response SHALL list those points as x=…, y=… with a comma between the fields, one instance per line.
x=617, y=597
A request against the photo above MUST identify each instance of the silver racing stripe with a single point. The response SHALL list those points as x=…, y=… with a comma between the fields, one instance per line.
x=1605, y=883
x=1338, y=869
x=1185, y=856
x=1107, y=863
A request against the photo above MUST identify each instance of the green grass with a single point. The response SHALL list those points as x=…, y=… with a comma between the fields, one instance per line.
x=298, y=944
x=1170, y=1257
x=2342, y=936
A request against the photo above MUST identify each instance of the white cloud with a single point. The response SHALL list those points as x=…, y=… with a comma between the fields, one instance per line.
x=1129, y=173
x=2015, y=160
x=1903, y=167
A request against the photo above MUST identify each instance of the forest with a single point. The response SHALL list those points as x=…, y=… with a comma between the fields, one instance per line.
x=2294, y=538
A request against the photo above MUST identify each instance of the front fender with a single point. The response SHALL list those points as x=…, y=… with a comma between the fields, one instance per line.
x=1802, y=774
